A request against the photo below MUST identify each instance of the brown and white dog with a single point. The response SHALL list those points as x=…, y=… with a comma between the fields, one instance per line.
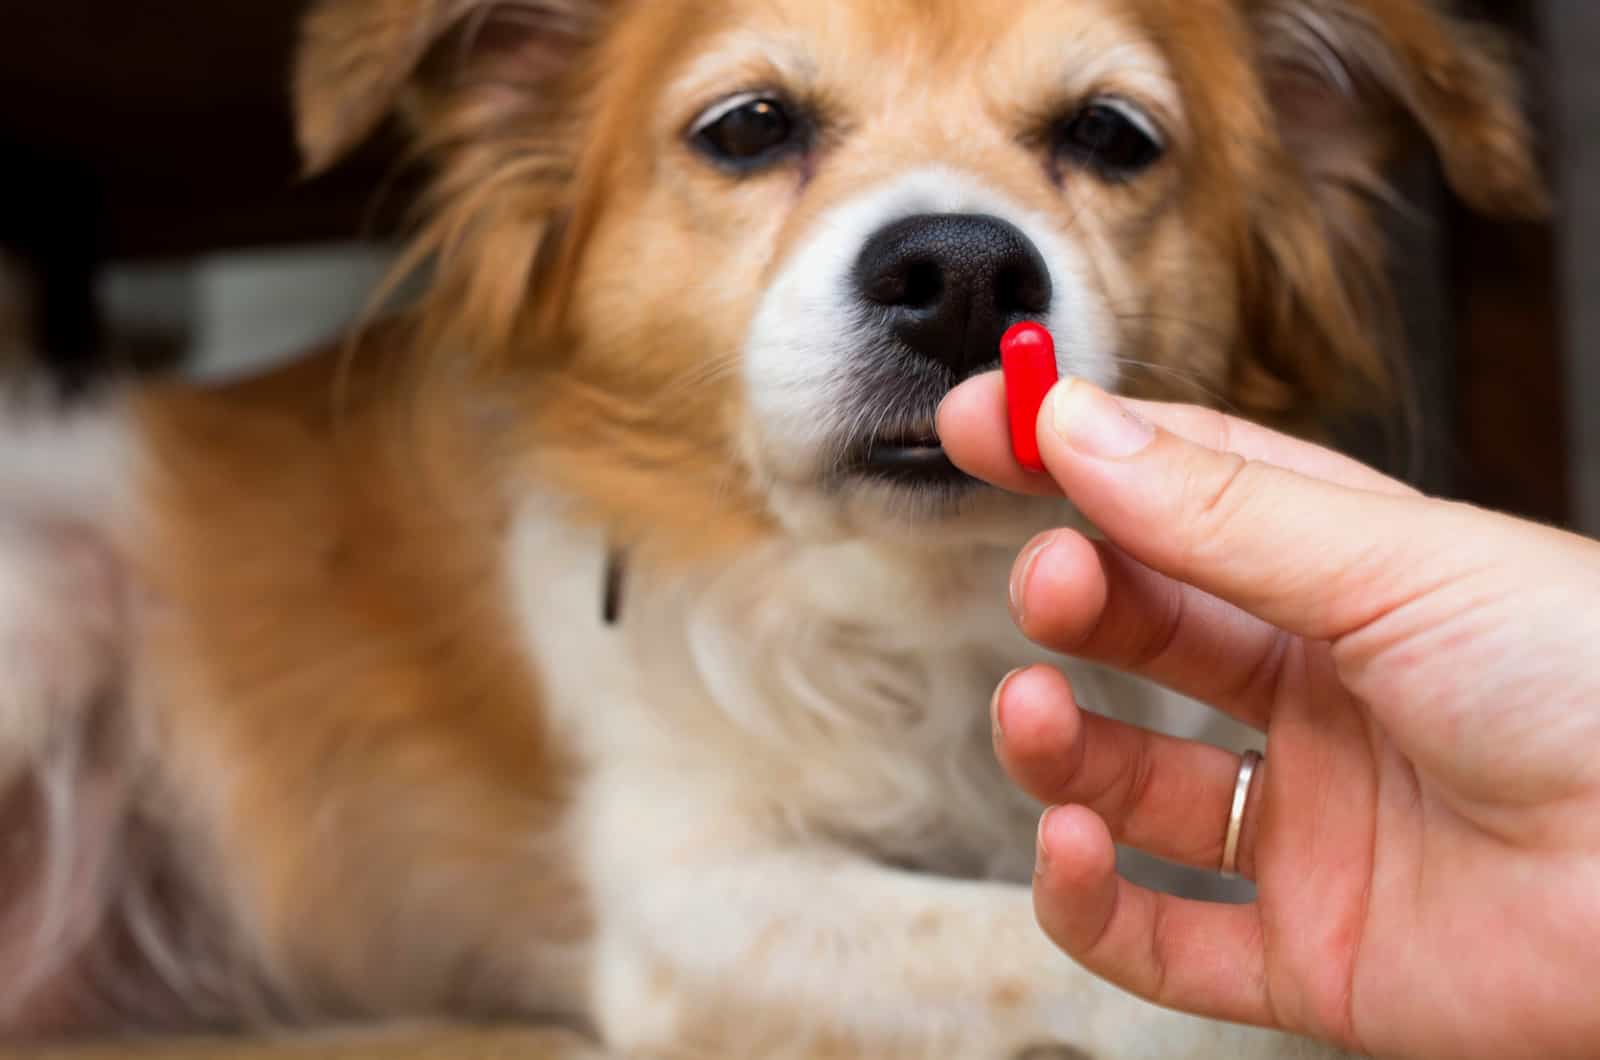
x=308, y=707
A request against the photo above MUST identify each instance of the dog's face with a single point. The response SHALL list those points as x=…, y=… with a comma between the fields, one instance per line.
x=849, y=203
x=739, y=250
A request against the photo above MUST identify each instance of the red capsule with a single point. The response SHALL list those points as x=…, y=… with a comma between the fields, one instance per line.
x=1028, y=357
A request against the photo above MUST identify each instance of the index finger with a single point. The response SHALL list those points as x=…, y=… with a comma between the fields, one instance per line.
x=972, y=428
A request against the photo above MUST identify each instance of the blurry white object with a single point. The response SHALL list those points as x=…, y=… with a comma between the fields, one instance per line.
x=247, y=311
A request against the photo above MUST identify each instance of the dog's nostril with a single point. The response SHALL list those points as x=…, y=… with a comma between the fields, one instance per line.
x=906, y=285
x=1019, y=291
x=924, y=285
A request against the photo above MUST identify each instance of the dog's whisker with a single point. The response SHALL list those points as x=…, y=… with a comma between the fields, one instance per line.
x=1191, y=380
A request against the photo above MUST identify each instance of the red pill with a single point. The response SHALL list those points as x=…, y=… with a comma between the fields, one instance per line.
x=1028, y=357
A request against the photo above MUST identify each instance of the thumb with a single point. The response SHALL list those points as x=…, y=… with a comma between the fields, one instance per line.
x=1311, y=557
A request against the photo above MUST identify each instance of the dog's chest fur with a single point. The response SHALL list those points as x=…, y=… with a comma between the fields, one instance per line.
x=835, y=692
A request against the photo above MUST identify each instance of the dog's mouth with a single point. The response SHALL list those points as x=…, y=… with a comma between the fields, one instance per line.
x=913, y=459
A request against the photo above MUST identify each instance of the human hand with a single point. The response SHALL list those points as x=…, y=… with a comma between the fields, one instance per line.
x=1424, y=834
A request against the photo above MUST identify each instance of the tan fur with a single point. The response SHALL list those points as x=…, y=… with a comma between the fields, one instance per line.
x=329, y=647
x=367, y=782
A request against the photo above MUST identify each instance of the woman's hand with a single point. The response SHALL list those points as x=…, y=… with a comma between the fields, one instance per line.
x=1425, y=831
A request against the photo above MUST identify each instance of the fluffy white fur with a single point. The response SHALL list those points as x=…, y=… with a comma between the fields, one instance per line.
x=62, y=646
x=89, y=923
x=793, y=796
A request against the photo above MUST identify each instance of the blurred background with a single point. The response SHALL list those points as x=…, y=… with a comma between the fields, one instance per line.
x=152, y=205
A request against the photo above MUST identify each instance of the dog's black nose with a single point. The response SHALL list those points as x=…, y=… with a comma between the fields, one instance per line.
x=951, y=284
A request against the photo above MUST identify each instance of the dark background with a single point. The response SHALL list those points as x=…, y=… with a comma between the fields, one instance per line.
x=160, y=129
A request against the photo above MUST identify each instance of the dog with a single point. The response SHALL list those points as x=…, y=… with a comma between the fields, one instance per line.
x=604, y=639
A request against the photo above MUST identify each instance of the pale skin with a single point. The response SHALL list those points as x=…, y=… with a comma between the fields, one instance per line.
x=1425, y=833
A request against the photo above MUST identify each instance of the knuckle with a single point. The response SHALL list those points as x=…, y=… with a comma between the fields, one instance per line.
x=1213, y=499
x=1159, y=964
x=1158, y=639
x=1218, y=430
x=1139, y=784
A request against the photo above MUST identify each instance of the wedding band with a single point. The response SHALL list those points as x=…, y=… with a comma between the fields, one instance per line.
x=1241, y=794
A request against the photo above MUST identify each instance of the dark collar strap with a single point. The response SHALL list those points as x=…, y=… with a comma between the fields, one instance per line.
x=616, y=574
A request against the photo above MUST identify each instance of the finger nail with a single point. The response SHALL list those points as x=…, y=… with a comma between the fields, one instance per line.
x=1042, y=858
x=1020, y=573
x=997, y=720
x=1096, y=424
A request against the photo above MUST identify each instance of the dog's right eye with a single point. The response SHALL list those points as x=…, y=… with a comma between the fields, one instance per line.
x=1110, y=137
x=746, y=132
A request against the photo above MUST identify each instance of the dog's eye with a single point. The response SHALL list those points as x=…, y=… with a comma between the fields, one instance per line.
x=1110, y=138
x=746, y=132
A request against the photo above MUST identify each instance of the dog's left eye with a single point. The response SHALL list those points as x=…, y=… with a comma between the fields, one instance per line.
x=746, y=132
x=1109, y=138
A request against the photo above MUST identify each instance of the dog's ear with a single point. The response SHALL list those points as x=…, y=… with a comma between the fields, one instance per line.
x=1348, y=78
x=357, y=58
x=1349, y=84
